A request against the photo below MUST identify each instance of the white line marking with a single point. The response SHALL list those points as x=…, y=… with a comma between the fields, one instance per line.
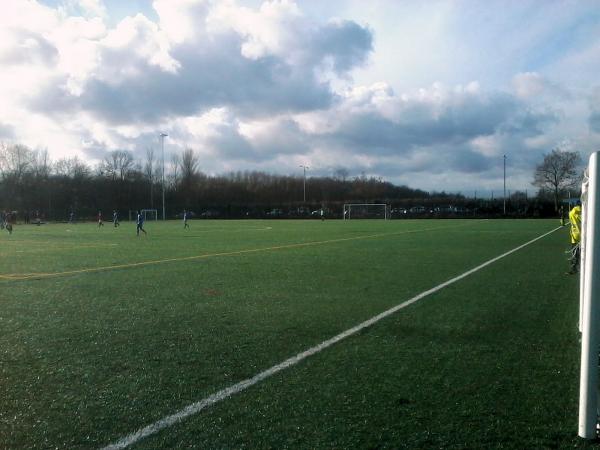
x=195, y=408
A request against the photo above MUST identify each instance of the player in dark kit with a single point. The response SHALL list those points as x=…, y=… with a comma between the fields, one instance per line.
x=140, y=223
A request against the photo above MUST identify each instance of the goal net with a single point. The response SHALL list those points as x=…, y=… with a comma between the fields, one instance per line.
x=149, y=214
x=589, y=300
x=366, y=211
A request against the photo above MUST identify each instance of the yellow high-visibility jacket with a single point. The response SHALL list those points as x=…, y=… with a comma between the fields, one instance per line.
x=575, y=219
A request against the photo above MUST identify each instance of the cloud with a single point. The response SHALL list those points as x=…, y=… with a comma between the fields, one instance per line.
x=594, y=106
x=28, y=48
x=279, y=29
x=6, y=131
x=141, y=71
x=376, y=120
x=594, y=121
x=463, y=130
x=533, y=86
x=343, y=45
x=528, y=84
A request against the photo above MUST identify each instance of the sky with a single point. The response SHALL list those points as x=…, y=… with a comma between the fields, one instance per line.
x=427, y=94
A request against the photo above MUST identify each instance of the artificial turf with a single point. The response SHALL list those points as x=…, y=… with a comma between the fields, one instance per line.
x=96, y=346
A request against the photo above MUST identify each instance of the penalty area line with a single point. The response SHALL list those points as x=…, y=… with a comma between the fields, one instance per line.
x=223, y=394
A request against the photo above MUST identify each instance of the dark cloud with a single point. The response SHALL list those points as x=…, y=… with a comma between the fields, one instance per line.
x=528, y=123
x=468, y=162
x=345, y=42
x=284, y=138
x=418, y=125
x=437, y=137
x=230, y=144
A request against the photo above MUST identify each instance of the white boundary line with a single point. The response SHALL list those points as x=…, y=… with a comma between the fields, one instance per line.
x=196, y=407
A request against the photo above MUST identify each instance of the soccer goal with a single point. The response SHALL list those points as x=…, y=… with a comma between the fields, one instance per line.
x=149, y=214
x=589, y=300
x=366, y=211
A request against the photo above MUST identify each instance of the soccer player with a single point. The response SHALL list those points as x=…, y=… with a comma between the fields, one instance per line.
x=575, y=232
x=100, y=223
x=322, y=215
x=8, y=222
x=140, y=223
x=116, y=219
x=185, y=219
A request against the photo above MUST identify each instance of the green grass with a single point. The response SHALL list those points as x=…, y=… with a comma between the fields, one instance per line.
x=91, y=356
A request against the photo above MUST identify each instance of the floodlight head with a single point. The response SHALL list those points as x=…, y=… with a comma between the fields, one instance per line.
x=163, y=134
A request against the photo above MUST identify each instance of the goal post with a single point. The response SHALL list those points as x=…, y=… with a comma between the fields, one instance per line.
x=590, y=301
x=149, y=214
x=366, y=211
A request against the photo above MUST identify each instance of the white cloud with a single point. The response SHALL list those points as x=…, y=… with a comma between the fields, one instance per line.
x=274, y=29
x=182, y=20
x=135, y=42
x=487, y=145
x=528, y=84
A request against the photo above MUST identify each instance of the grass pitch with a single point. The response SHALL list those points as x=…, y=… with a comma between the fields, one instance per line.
x=103, y=333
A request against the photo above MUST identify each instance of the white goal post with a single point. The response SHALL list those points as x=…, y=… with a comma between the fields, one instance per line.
x=149, y=214
x=366, y=211
x=589, y=300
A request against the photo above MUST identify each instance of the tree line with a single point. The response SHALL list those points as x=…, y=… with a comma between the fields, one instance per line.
x=32, y=184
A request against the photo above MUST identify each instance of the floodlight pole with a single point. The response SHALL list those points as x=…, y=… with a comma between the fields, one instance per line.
x=304, y=184
x=504, y=203
x=162, y=144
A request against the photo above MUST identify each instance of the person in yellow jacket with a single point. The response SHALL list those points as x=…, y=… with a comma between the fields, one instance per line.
x=575, y=232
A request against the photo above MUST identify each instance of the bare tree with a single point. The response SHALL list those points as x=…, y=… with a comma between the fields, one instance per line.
x=15, y=161
x=341, y=173
x=557, y=172
x=117, y=165
x=189, y=165
x=72, y=168
x=41, y=163
x=175, y=164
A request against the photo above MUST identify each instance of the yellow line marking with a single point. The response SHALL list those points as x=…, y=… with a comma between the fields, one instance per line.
x=27, y=276
x=227, y=230
x=19, y=276
x=55, y=244
x=70, y=247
